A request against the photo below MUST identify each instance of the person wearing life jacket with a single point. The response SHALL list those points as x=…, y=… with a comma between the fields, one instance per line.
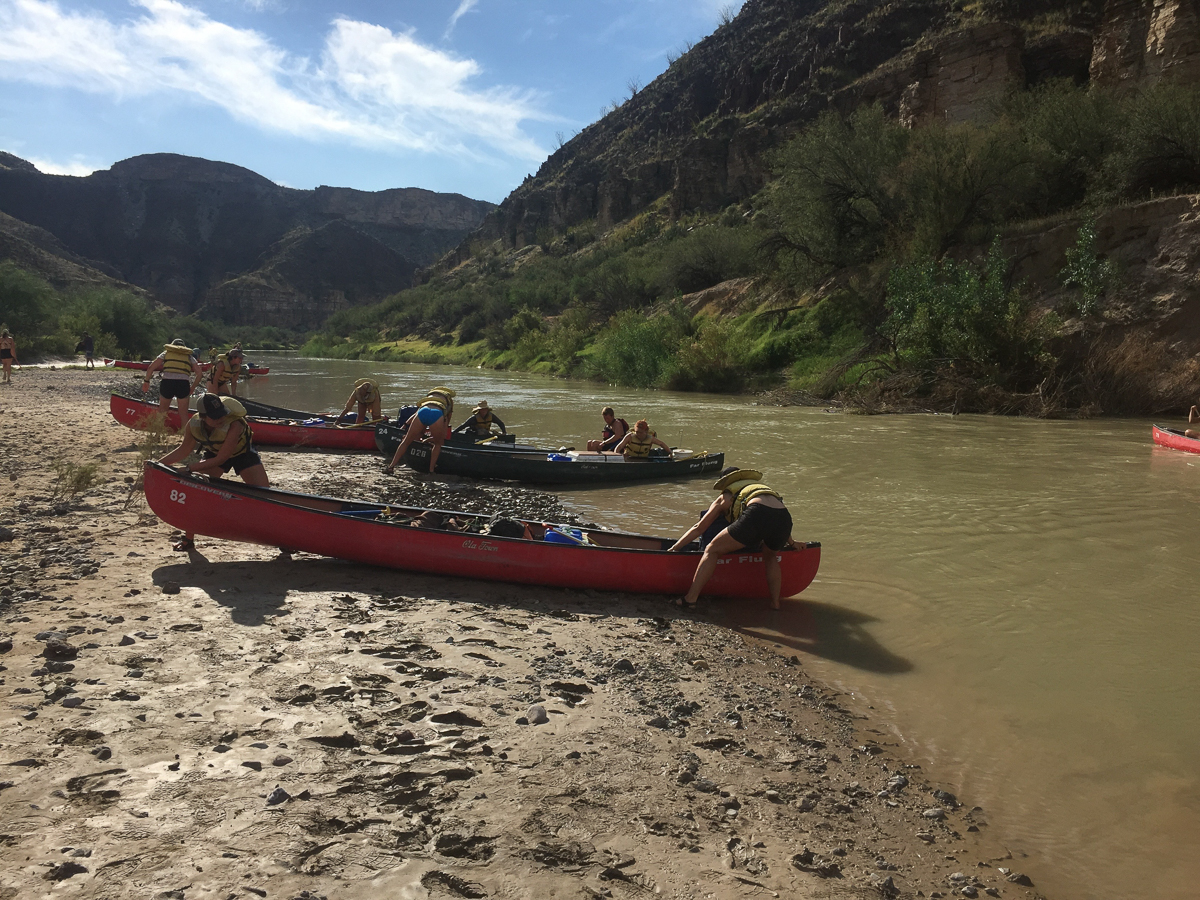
x=180, y=372
x=433, y=418
x=613, y=433
x=754, y=514
x=223, y=435
x=637, y=444
x=366, y=395
x=479, y=423
x=225, y=372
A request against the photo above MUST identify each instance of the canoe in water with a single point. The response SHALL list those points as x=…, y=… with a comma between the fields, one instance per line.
x=1175, y=439
x=145, y=364
x=379, y=535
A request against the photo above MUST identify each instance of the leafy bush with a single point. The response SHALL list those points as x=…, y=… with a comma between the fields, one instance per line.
x=711, y=360
x=707, y=256
x=635, y=350
x=27, y=302
x=1159, y=149
x=1087, y=271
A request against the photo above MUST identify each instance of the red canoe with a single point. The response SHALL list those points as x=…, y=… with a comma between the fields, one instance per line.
x=145, y=364
x=1175, y=439
x=267, y=432
x=347, y=529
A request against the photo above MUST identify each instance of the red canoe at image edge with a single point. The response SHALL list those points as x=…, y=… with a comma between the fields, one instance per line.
x=267, y=433
x=1176, y=440
x=233, y=511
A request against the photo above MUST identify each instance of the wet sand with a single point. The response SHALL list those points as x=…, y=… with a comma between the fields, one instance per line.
x=229, y=723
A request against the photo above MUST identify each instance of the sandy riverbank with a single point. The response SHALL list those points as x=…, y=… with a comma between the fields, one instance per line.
x=236, y=725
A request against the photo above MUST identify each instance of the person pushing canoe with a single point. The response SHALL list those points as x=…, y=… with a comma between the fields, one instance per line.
x=432, y=417
x=366, y=394
x=180, y=372
x=221, y=431
x=225, y=372
x=756, y=515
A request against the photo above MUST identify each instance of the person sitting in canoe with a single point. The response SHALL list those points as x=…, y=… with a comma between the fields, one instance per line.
x=180, y=372
x=614, y=431
x=479, y=423
x=366, y=394
x=433, y=418
x=1193, y=418
x=637, y=444
x=221, y=431
x=755, y=515
x=225, y=372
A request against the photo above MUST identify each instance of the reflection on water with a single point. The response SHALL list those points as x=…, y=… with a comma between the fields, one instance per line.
x=1015, y=599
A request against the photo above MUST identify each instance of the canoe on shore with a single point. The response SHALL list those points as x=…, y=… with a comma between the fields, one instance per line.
x=533, y=465
x=145, y=364
x=1175, y=439
x=140, y=414
x=379, y=535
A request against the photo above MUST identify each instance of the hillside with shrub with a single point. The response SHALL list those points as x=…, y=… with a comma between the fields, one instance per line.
x=892, y=204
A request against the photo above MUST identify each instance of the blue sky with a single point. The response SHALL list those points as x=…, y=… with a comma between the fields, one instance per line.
x=450, y=95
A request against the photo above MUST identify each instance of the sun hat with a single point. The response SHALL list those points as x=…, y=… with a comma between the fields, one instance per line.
x=481, y=407
x=732, y=474
x=178, y=342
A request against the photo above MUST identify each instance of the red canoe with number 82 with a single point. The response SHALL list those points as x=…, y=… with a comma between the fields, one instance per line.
x=369, y=533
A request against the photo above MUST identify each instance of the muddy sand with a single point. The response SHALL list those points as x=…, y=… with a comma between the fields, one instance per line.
x=232, y=724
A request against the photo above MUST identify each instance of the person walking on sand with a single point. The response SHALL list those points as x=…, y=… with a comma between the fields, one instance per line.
x=755, y=515
x=366, y=394
x=87, y=346
x=8, y=353
x=221, y=431
x=636, y=445
x=614, y=431
x=432, y=417
x=224, y=374
x=180, y=372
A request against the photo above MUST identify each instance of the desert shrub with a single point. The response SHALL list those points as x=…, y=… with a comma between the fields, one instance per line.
x=635, y=350
x=505, y=335
x=72, y=479
x=1159, y=149
x=712, y=359
x=708, y=256
x=963, y=316
x=1087, y=271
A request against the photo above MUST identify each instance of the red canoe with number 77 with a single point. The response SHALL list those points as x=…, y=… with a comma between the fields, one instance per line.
x=204, y=367
x=1175, y=439
x=380, y=535
x=267, y=432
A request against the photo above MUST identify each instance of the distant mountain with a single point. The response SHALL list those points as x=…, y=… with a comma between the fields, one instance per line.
x=222, y=241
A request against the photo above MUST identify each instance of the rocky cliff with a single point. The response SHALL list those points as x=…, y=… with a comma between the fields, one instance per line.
x=698, y=137
x=208, y=236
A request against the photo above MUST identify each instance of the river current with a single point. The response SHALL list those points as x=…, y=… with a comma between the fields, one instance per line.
x=1012, y=602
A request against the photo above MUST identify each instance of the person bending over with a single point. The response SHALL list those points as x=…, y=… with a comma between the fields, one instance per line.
x=222, y=433
x=224, y=374
x=180, y=372
x=433, y=418
x=366, y=395
x=755, y=515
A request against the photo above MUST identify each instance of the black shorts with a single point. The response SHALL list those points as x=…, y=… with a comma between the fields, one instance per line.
x=761, y=524
x=178, y=388
x=247, y=460
x=6, y=354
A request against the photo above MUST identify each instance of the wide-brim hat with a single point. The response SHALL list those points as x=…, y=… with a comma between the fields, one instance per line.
x=449, y=392
x=178, y=342
x=729, y=478
x=481, y=407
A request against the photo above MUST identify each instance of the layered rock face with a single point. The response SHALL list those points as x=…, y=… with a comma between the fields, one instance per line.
x=190, y=231
x=1142, y=42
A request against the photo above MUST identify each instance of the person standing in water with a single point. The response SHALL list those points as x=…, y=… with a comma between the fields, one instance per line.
x=8, y=353
x=755, y=515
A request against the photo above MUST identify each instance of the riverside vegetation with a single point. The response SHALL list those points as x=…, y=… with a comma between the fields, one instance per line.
x=869, y=270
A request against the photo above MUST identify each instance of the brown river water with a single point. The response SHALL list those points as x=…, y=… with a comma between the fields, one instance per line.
x=1014, y=603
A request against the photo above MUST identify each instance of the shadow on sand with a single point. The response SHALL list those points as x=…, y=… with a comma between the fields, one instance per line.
x=257, y=589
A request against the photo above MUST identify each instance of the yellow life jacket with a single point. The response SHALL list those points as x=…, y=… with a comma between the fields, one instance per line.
x=483, y=421
x=372, y=392
x=638, y=448
x=745, y=491
x=227, y=371
x=177, y=360
x=440, y=398
x=212, y=439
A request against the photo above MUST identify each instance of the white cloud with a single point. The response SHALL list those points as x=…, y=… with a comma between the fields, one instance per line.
x=372, y=87
x=464, y=7
x=75, y=167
